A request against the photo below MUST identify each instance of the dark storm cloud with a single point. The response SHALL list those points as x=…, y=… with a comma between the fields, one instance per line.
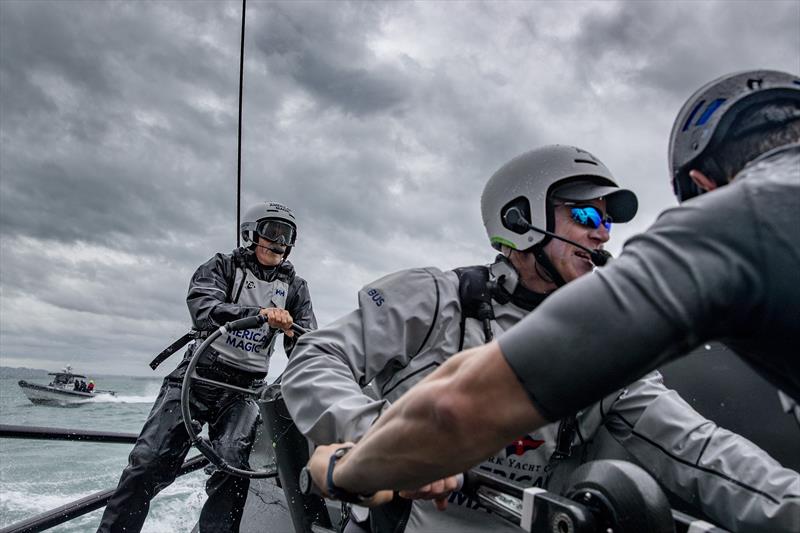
x=667, y=46
x=358, y=152
x=42, y=37
x=118, y=121
x=93, y=100
x=326, y=52
x=71, y=289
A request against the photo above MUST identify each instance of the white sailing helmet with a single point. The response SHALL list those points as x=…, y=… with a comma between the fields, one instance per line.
x=272, y=221
x=531, y=180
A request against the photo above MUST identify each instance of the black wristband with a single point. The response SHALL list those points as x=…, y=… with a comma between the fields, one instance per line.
x=336, y=492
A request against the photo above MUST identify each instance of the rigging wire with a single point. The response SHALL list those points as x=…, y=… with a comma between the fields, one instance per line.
x=239, y=149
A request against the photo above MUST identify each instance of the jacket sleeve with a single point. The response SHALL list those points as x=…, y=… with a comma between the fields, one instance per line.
x=209, y=290
x=323, y=381
x=733, y=481
x=299, y=306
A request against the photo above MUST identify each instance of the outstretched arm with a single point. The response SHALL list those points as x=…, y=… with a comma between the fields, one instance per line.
x=448, y=422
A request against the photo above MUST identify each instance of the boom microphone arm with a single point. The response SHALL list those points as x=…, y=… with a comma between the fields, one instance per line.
x=515, y=220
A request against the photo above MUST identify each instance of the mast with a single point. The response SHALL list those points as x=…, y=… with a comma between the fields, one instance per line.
x=239, y=151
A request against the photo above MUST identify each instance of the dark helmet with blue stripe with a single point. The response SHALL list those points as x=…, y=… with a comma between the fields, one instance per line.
x=706, y=118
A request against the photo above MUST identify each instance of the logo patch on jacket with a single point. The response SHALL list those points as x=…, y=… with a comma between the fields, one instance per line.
x=376, y=297
x=280, y=292
x=250, y=284
x=522, y=445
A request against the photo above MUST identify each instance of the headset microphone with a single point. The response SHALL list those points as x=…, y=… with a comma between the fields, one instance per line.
x=515, y=221
x=273, y=249
x=600, y=257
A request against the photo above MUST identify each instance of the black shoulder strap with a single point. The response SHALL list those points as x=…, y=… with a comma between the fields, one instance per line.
x=238, y=262
x=567, y=428
x=474, y=293
x=174, y=347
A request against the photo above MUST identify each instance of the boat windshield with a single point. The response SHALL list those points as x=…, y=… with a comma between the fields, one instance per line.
x=61, y=378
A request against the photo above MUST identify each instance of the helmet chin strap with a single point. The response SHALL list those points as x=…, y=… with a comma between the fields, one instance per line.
x=274, y=272
x=543, y=261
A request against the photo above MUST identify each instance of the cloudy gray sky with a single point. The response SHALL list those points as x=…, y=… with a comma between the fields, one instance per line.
x=378, y=122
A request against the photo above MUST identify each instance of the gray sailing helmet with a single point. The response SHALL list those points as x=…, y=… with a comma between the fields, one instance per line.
x=705, y=119
x=256, y=218
x=531, y=180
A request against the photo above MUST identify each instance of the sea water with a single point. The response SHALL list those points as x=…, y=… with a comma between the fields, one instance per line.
x=37, y=475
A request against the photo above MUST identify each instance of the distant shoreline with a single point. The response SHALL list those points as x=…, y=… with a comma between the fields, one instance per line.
x=21, y=372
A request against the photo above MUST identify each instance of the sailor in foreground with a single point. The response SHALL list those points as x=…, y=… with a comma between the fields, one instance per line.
x=410, y=322
x=722, y=266
x=255, y=279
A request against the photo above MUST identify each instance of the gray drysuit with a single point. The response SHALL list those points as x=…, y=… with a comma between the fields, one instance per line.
x=225, y=288
x=408, y=323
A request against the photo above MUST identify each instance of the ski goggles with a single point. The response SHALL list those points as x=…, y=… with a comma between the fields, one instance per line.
x=589, y=216
x=276, y=231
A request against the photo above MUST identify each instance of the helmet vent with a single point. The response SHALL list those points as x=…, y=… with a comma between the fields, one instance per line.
x=692, y=114
x=586, y=161
x=754, y=83
x=713, y=106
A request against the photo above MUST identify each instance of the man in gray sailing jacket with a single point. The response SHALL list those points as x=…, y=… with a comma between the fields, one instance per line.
x=254, y=279
x=721, y=266
x=410, y=322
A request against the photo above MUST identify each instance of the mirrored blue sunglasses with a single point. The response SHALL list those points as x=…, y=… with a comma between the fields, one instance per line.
x=589, y=216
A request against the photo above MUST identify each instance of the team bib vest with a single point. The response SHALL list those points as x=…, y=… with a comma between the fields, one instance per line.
x=250, y=349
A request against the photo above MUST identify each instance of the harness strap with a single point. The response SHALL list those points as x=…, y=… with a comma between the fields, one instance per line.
x=475, y=295
x=547, y=265
x=566, y=432
x=174, y=347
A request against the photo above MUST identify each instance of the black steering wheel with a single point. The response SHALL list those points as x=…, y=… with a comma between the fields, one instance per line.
x=193, y=427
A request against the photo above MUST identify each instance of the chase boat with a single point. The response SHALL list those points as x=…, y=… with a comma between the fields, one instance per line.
x=60, y=391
